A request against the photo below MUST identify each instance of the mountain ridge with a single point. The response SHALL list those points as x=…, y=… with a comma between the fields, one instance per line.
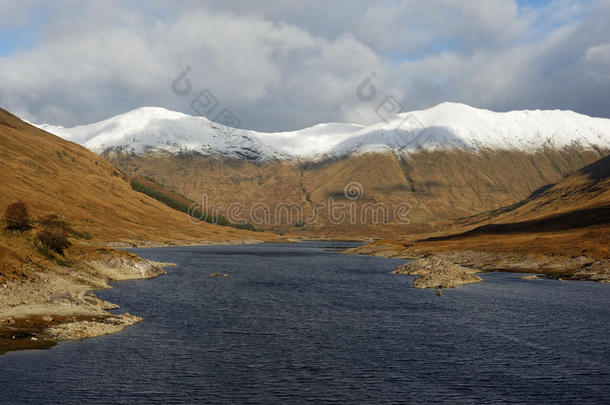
x=445, y=126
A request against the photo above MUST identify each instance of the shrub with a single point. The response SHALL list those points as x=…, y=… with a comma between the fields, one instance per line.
x=17, y=217
x=54, y=238
x=53, y=221
x=247, y=227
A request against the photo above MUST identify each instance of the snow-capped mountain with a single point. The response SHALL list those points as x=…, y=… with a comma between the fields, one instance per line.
x=447, y=125
x=158, y=129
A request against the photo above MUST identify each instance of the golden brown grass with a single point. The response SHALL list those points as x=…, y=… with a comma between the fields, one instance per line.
x=52, y=175
x=571, y=218
x=439, y=185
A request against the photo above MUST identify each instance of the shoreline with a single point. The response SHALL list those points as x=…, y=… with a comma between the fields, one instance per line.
x=561, y=267
x=153, y=244
x=59, y=304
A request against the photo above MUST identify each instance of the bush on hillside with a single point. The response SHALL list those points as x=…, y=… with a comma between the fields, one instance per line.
x=54, y=237
x=53, y=221
x=17, y=217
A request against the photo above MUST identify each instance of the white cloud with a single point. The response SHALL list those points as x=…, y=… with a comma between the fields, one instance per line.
x=283, y=65
x=597, y=59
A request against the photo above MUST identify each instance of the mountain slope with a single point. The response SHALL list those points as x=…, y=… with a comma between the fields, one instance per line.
x=581, y=200
x=563, y=231
x=438, y=185
x=54, y=175
x=586, y=189
x=447, y=125
x=45, y=292
x=570, y=218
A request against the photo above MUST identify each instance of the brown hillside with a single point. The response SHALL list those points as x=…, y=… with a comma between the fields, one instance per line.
x=564, y=230
x=54, y=175
x=438, y=185
x=571, y=217
x=585, y=191
x=47, y=272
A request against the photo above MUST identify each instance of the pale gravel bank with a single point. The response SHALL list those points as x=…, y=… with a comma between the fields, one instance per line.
x=552, y=266
x=58, y=304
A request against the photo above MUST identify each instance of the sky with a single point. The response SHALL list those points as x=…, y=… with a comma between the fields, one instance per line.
x=283, y=64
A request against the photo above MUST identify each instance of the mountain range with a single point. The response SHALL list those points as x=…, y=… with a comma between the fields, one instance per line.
x=447, y=162
x=447, y=125
x=536, y=202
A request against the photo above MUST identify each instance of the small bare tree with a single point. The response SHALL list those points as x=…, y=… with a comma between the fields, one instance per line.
x=17, y=217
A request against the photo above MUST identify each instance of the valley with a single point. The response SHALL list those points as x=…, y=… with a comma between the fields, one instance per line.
x=536, y=204
x=278, y=202
x=563, y=232
x=45, y=294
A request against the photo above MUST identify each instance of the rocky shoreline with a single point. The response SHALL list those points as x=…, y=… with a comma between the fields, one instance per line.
x=58, y=304
x=52, y=303
x=583, y=268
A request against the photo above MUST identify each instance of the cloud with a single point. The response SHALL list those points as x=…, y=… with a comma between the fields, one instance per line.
x=415, y=27
x=15, y=13
x=286, y=64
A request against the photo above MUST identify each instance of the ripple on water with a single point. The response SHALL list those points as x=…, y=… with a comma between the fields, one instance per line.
x=300, y=322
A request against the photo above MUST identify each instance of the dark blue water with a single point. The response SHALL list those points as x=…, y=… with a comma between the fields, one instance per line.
x=297, y=323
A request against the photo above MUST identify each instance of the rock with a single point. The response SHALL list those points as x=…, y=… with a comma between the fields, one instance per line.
x=219, y=274
x=439, y=292
x=89, y=328
x=47, y=318
x=533, y=277
x=126, y=267
x=9, y=320
x=598, y=271
x=437, y=273
x=148, y=269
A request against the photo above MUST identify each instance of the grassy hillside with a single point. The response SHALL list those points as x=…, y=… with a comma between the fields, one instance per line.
x=568, y=223
x=439, y=185
x=55, y=248
x=571, y=217
x=52, y=175
x=180, y=203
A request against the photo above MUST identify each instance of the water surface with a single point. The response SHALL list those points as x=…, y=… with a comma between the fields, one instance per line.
x=300, y=322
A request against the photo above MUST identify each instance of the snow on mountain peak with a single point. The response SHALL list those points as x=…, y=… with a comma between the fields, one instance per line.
x=447, y=125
